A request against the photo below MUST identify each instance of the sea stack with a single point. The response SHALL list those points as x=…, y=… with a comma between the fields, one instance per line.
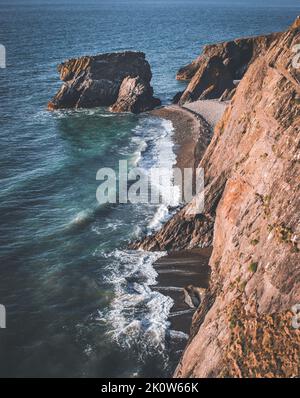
x=220, y=66
x=118, y=80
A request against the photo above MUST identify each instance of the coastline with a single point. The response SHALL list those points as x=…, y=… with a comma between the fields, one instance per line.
x=97, y=286
x=187, y=126
x=180, y=271
x=192, y=134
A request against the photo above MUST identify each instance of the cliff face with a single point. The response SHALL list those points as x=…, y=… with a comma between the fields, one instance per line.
x=245, y=327
x=93, y=81
x=216, y=69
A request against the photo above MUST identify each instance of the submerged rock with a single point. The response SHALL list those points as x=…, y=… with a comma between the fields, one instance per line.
x=92, y=81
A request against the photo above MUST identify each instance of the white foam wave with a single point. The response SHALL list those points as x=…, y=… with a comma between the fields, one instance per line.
x=183, y=312
x=82, y=218
x=178, y=335
x=141, y=147
x=160, y=217
x=138, y=316
x=110, y=226
x=155, y=135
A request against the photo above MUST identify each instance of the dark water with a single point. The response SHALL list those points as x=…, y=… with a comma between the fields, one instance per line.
x=78, y=303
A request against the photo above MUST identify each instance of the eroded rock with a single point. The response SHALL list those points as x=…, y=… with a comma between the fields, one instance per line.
x=215, y=70
x=193, y=295
x=93, y=81
x=135, y=96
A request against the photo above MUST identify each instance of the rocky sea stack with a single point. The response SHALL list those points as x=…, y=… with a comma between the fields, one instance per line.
x=118, y=80
x=217, y=70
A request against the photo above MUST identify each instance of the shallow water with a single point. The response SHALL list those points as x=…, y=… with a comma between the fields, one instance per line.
x=78, y=303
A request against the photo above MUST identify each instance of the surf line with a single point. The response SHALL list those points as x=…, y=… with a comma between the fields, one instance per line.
x=120, y=388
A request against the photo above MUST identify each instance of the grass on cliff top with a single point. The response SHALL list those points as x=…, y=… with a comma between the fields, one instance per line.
x=253, y=267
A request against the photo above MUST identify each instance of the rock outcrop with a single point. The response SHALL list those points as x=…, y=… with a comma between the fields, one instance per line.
x=193, y=295
x=216, y=69
x=246, y=325
x=121, y=80
x=135, y=96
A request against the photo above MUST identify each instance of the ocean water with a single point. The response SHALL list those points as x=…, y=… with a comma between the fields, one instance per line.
x=78, y=302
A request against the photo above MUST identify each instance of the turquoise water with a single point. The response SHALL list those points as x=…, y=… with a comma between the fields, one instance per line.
x=78, y=303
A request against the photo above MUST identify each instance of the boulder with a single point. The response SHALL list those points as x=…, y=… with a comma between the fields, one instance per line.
x=193, y=295
x=93, y=81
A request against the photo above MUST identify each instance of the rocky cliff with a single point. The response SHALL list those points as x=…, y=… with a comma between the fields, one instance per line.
x=245, y=327
x=219, y=66
x=120, y=80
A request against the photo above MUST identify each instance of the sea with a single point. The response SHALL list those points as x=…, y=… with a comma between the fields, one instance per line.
x=78, y=302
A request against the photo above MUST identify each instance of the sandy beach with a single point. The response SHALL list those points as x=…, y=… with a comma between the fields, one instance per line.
x=193, y=124
x=187, y=126
x=210, y=110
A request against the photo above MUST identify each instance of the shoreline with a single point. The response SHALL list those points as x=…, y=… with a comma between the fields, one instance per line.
x=191, y=134
x=186, y=126
x=179, y=270
x=193, y=126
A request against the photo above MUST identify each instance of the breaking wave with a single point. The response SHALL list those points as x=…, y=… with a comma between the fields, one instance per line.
x=138, y=316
